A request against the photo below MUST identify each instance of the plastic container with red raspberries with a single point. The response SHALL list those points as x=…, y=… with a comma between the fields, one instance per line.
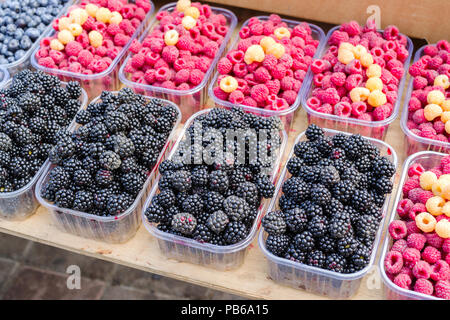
x=415, y=140
x=428, y=160
x=106, y=57
x=191, y=95
x=368, y=127
x=294, y=89
x=313, y=279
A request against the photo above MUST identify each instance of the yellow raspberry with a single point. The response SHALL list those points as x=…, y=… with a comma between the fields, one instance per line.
x=435, y=97
x=377, y=98
x=446, y=192
x=75, y=29
x=64, y=23
x=228, y=84
x=438, y=186
x=366, y=60
x=281, y=33
x=345, y=56
x=446, y=105
x=65, y=36
x=55, y=44
x=447, y=127
x=266, y=43
x=443, y=229
x=346, y=46
x=193, y=12
x=255, y=53
x=373, y=70
x=445, y=178
x=116, y=18
x=442, y=81
x=183, y=5
x=188, y=22
x=374, y=84
x=171, y=37
x=427, y=179
x=432, y=111
x=446, y=209
x=359, y=94
x=425, y=222
x=277, y=50
x=95, y=38
x=445, y=116
x=79, y=16
x=91, y=9
x=103, y=15
x=359, y=50
x=434, y=205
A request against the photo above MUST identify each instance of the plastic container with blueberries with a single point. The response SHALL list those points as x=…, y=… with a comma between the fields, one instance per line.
x=22, y=203
x=194, y=99
x=111, y=229
x=4, y=77
x=206, y=254
x=429, y=160
x=312, y=279
x=415, y=143
x=374, y=129
x=286, y=115
x=94, y=84
x=24, y=61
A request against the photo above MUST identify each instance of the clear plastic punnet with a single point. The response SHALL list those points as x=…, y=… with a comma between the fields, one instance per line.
x=22, y=203
x=414, y=143
x=205, y=254
x=374, y=129
x=287, y=115
x=4, y=77
x=312, y=279
x=194, y=99
x=24, y=62
x=429, y=160
x=113, y=229
x=107, y=80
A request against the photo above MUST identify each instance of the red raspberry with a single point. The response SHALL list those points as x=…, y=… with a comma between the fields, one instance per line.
x=270, y=62
x=273, y=86
x=259, y=93
x=75, y=67
x=73, y=48
x=431, y=254
x=400, y=245
x=101, y=51
x=332, y=97
x=397, y=229
x=342, y=109
x=135, y=46
x=240, y=70
x=236, y=97
x=248, y=101
x=411, y=256
x=85, y=58
x=196, y=77
x=442, y=289
x=440, y=271
x=279, y=71
x=415, y=194
x=446, y=245
x=412, y=227
x=144, y=4
x=423, y=286
x=290, y=96
x=353, y=81
x=416, y=240
x=338, y=79
x=170, y=54
x=138, y=61
x=47, y=62
x=358, y=108
x=337, y=37
x=422, y=270
x=220, y=94
x=393, y=262
x=236, y=56
x=382, y=112
x=262, y=75
x=433, y=239
x=320, y=66
x=162, y=74
x=149, y=76
x=182, y=76
x=403, y=281
x=121, y=39
x=224, y=66
x=403, y=207
x=416, y=170
x=210, y=49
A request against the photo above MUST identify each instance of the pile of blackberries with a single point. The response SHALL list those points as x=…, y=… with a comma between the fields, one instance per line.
x=216, y=200
x=102, y=166
x=331, y=206
x=33, y=111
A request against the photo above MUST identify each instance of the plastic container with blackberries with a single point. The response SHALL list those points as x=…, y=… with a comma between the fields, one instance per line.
x=322, y=229
x=102, y=168
x=211, y=192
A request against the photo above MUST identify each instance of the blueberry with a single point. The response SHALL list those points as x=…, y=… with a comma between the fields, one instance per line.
x=41, y=27
x=25, y=43
x=10, y=29
x=19, y=54
x=18, y=34
x=43, y=3
x=21, y=23
x=11, y=59
x=7, y=20
x=13, y=45
x=47, y=18
x=33, y=33
x=3, y=60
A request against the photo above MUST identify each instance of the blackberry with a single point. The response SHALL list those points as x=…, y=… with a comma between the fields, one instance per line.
x=61, y=95
x=326, y=244
x=132, y=182
x=329, y=176
x=213, y=201
x=82, y=177
x=104, y=177
x=296, y=188
x=335, y=262
x=301, y=148
x=295, y=254
x=361, y=200
x=235, y=232
x=181, y=180
x=304, y=241
x=317, y=226
x=324, y=145
x=156, y=214
x=121, y=145
x=378, y=199
x=217, y=221
x=311, y=209
x=202, y=234
x=311, y=156
x=339, y=139
x=91, y=165
x=364, y=164
x=314, y=132
x=350, y=267
x=333, y=208
x=18, y=167
x=98, y=132
x=218, y=181
x=83, y=201
x=296, y=219
x=235, y=207
x=316, y=258
x=337, y=154
x=320, y=194
x=265, y=186
x=217, y=240
x=64, y=198
x=339, y=227
x=293, y=166
x=184, y=223
x=193, y=204
x=273, y=223
x=347, y=246
x=73, y=89
x=382, y=166
x=286, y=203
x=101, y=198
x=38, y=125
x=166, y=198
x=83, y=117
x=5, y=142
x=366, y=226
x=309, y=174
x=116, y=121
x=249, y=192
x=361, y=257
x=200, y=177
x=277, y=244
x=383, y=185
x=250, y=218
x=343, y=191
x=110, y=160
x=118, y=203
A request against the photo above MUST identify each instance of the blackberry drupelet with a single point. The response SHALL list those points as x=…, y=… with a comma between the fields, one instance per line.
x=273, y=223
x=277, y=244
x=217, y=221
